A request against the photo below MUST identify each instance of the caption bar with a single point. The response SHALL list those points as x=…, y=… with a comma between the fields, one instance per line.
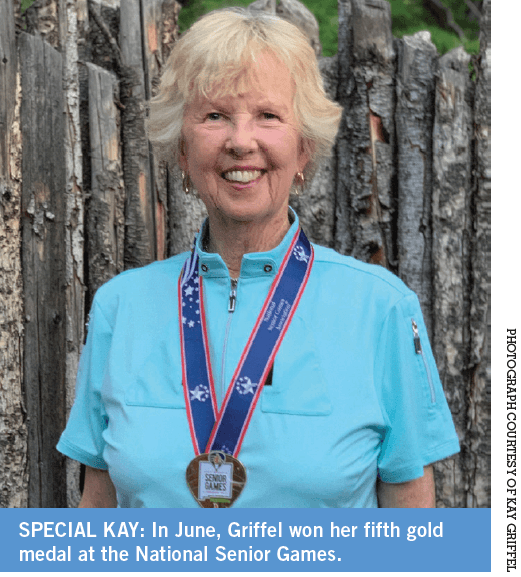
x=245, y=540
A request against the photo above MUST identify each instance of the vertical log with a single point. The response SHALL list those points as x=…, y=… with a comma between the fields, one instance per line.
x=13, y=431
x=153, y=18
x=85, y=32
x=56, y=21
x=414, y=122
x=343, y=237
x=140, y=239
x=316, y=205
x=44, y=274
x=366, y=65
x=452, y=149
x=74, y=282
x=478, y=414
x=105, y=221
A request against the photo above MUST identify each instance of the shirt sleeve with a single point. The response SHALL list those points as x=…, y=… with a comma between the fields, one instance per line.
x=82, y=439
x=419, y=428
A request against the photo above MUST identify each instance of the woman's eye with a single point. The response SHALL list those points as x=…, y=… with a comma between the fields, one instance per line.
x=214, y=116
x=269, y=116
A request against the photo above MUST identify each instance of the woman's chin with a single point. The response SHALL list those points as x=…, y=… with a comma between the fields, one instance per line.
x=243, y=213
x=251, y=210
x=248, y=202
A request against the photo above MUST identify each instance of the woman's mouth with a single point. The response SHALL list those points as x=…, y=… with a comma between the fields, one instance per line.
x=242, y=176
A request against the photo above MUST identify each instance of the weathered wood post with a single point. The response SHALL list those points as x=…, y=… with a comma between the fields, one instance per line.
x=366, y=138
x=316, y=205
x=452, y=148
x=13, y=429
x=55, y=22
x=70, y=40
x=479, y=392
x=417, y=62
x=44, y=274
x=106, y=205
x=461, y=260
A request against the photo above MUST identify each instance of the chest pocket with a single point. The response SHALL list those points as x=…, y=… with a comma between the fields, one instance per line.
x=298, y=386
x=157, y=382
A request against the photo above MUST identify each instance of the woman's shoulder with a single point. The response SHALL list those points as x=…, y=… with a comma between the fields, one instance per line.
x=142, y=283
x=347, y=269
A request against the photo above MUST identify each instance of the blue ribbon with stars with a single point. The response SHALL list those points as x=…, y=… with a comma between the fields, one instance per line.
x=224, y=430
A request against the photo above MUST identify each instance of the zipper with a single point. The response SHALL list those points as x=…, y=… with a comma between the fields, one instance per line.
x=233, y=295
x=232, y=302
x=419, y=351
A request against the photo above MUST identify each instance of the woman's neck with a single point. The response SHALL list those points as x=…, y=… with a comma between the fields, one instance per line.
x=233, y=240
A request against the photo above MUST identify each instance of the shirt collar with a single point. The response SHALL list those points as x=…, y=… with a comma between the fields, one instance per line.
x=253, y=264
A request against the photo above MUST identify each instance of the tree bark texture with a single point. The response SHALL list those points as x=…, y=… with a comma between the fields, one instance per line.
x=106, y=205
x=452, y=142
x=414, y=121
x=44, y=270
x=315, y=205
x=152, y=18
x=13, y=429
x=365, y=142
x=140, y=235
x=407, y=187
x=478, y=413
x=74, y=214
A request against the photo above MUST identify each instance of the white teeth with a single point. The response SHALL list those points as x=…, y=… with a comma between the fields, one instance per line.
x=242, y=175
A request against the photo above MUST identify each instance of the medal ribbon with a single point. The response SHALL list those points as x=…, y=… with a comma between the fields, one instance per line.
x=224, y=430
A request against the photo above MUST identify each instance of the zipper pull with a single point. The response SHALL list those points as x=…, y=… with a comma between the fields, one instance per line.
x=417, y=342
x=233, y=295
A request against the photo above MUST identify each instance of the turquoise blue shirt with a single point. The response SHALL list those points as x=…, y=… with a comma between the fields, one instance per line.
x=353, y=397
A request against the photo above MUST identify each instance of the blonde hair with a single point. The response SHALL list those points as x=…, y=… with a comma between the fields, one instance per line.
x=216, y=52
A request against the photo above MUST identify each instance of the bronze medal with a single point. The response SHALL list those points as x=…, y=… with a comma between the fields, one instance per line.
x=215, y=479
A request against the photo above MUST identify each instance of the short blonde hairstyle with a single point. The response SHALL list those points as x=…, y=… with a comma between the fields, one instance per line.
x=218, y=51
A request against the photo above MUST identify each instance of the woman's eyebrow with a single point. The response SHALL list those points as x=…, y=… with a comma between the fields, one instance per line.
x=266, y=103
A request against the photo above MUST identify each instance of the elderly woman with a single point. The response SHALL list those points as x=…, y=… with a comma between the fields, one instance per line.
x=258, y=370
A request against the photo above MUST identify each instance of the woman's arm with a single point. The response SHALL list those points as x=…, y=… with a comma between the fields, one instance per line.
x=98, y=491
x=416, y=493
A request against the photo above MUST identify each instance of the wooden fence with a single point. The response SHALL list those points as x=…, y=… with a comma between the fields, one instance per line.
x=82, y=198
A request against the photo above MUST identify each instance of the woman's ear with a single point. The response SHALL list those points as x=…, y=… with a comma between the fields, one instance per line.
x=307, y=149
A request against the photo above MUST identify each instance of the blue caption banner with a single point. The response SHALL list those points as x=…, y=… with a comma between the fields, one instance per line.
x=245, y=540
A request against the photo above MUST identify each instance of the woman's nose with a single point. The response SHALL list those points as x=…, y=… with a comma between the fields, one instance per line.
x=242, y=138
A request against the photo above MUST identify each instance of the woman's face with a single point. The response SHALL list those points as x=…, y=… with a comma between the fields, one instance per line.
x=243, y=152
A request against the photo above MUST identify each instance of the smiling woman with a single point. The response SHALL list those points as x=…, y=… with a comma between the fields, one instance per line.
x=244, y=113
x=257, y=370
